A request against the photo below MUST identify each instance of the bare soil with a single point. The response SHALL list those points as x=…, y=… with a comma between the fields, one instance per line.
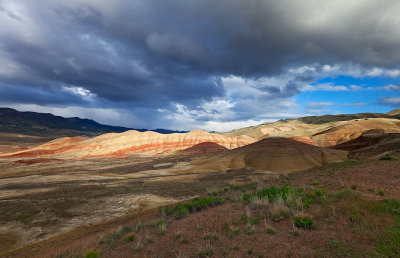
x=351, y=222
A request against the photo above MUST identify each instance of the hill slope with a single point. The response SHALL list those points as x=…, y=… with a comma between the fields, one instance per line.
x=130, y=142
x=42, y=124
x=279, y=155
x=325, y=134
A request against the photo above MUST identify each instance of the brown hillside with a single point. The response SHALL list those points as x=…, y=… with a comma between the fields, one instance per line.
x=279, y=155
x=203, y=148
x=394, y=112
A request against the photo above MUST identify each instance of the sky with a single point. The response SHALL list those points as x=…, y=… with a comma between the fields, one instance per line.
x=206, y=64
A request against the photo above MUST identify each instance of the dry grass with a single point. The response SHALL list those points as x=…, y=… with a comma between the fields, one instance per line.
x=279, y=211
x=259, y=203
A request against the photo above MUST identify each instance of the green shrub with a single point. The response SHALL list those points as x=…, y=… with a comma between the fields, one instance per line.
x=310, y=196
x=138, y=226
x=210, y=236
x=138, y=247
x=162, y=226
x=92, y=254
x=250, y=229
x=338, y=248
x=271, y=193
x=250, y=250
x=213, y=191
x=181, y=212
x=125, y=229
x=303, y=222
x=165, y=210
x=112, y=239
x=253, y=221
x=235, y=187
x=206, y=253
x=354, y=218
x=387, y=156
x=129, y=238
x=198, y=203
x=391, y=206
x=271, y=230
x=234, y=232
x=381, y=192
x=334, y=243
x=389, y=242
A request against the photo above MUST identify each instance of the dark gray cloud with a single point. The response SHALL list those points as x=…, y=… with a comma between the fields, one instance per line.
x=152, y=55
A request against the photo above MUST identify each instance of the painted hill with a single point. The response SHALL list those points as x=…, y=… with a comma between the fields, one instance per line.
x=279, y=155
x=323, y=135
x=283, y=125
x=204, y=148
x=373, y=143
x=130, y=142
x=349, y=130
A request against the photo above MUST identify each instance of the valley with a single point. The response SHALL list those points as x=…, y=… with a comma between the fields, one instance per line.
x=83, y=186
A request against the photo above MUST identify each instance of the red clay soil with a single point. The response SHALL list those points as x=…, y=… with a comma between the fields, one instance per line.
x=204, y=148
x=163, y=148
x=369, y=138
x=35, y=161
x=303, y=139
x=335, y=235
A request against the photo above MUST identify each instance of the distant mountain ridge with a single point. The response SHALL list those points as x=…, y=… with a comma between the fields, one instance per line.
x=394, y=112
x=33, y=123
x=346, y=117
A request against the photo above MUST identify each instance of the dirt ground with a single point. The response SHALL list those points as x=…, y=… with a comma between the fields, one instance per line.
x=42, y=198
x=351, y=222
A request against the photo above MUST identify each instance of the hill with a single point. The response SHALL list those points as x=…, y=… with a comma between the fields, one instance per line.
x=325, y=130
x=277, y=155
x=130, y=142
x=394, y=112
x=43, y=124
x=203, y=148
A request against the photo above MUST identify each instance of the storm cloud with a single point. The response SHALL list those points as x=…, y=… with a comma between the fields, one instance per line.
x=184, y=64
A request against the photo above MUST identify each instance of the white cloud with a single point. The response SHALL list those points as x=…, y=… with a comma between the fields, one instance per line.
x=319, y=104
x=392, y=87
x=393, y=72
x=330, y=68
x=80, y=91
x=393, y=101
x=374, y=72
x=228, y=126
x=354, y=104
x=303, y=69
x=325, y=87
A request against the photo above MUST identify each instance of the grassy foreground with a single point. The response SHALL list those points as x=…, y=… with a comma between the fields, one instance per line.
x=346, y=209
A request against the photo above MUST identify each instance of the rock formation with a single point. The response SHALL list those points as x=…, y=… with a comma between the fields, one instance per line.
x=324, y=135
x=130, y=142
x=280, y=155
